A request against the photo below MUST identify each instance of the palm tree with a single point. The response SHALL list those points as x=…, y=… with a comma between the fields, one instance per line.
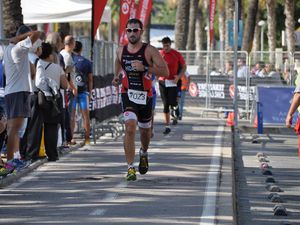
x=221, y=18
x=229, y=9
x=271, y=21
x=289, y=24
x=250, y=25
x=199, y=37
x=192, y=24
x=181, y=25
x=12, y=17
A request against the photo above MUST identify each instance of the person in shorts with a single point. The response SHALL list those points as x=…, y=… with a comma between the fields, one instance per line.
x=138, y=61
x=17, y=89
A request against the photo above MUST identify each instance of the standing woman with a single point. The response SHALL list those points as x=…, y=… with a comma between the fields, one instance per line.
x=48, y=70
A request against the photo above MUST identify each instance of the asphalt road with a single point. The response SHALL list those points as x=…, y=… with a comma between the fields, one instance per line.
x=189, y=182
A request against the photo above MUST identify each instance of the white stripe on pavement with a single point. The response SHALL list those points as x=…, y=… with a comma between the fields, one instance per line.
x=209, y=205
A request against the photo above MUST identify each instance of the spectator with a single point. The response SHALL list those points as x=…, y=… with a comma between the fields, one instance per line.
x=47, y=69
x=17, y=91
x=57, y=45
x=66, y=53
x=229, y=68
x=184, y=88
x=84, y=83
x=168, y=85
x=30, y=142
x=242, y=69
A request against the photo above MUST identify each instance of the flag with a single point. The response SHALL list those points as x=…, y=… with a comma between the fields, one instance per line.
x=97, y=11
x=127, y=11
x=212, y=9
x=144, y=11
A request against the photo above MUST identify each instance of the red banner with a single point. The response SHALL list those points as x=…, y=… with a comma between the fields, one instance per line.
x=97, y=11
x=212, y=9
x=144, y=11
x=127, y=10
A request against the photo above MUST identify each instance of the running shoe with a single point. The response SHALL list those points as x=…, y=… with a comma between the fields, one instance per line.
x=143, y=166
x=175, y=122
x=20, y=164
x=131, y=175
x=167, y=130
x=87, y=142
x=6, y=169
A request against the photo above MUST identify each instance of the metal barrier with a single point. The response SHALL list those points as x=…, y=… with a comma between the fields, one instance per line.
x=211, y=89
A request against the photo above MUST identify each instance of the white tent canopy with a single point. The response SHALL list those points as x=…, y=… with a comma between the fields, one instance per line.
x=59, y=11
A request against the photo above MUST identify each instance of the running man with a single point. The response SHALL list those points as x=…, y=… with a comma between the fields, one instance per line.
x=138, y=61
x=168, y=86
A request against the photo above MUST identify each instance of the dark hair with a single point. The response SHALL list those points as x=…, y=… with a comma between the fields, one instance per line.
x=46, y=50
x=134, y=20
x=166, y=40
x=78, y=46
x=23, y=29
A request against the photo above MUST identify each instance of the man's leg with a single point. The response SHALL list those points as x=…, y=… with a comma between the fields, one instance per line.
x=129, y=145
x=129, y=148
x=86, y=123
x=145, y=138
x=13, y=140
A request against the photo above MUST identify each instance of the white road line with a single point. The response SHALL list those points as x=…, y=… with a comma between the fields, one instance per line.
x=209, y=210
x=108, y=198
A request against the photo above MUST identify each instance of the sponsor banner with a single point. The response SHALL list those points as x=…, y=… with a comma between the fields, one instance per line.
x=144, y=11
x=127, y=11
x=105, y=99
x=212, y=9
x=97, y=11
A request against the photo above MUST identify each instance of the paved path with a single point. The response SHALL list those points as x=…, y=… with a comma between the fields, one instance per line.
x=189, y=182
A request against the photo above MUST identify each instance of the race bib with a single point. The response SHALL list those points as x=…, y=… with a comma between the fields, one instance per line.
x=170, y=83
x=138, y=97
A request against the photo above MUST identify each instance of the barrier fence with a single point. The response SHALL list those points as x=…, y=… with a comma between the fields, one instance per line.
x=211, y=85
x=212, y=89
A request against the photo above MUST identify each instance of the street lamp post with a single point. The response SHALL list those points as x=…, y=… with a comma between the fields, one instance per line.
x=262, y=25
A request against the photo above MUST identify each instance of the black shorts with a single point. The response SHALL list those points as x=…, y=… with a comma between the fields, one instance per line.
x=168, y=94
x=143, y=112
x=17, y=105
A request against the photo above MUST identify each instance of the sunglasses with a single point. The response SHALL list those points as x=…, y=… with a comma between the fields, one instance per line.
x=134, y=30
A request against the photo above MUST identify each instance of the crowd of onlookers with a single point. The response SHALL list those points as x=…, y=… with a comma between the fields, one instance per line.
x=258, y=70
x=43, y=78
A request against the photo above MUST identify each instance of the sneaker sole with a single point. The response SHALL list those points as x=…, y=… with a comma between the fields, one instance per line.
x=131, y=178
x=143, y=170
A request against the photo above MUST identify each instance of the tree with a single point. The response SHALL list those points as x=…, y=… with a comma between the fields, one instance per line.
x=192, y=24
x=181, y=25
x=289, y=24
x=250, y=26
x=271, y=21
x=199, y=37
x=221, y=18
x=12, y=17
x=229, y=9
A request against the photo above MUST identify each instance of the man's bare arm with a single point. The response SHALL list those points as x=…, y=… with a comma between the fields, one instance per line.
x=159, y=67
x=118, y=68
x=33, y=35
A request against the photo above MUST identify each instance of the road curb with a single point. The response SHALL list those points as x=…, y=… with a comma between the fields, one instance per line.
x=12, y=178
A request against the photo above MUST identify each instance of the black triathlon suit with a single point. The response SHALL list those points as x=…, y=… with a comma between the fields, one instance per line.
x=137, y=81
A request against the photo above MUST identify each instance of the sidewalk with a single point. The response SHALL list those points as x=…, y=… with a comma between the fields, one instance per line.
x=254, y=205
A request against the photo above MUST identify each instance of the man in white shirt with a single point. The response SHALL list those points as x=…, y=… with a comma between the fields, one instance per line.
x=242, y=69
x=17, y=89
x=66, y=53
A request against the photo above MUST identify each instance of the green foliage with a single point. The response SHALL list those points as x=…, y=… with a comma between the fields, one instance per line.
x=162, y=13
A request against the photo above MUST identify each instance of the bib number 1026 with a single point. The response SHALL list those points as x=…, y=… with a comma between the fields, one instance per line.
x=138, y=97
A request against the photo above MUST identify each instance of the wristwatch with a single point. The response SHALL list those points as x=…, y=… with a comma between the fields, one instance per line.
x=146, y=68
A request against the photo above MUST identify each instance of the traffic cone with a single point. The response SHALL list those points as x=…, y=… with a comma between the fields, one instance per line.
x=230, y=120
x=42, y=151
x=255, y=122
